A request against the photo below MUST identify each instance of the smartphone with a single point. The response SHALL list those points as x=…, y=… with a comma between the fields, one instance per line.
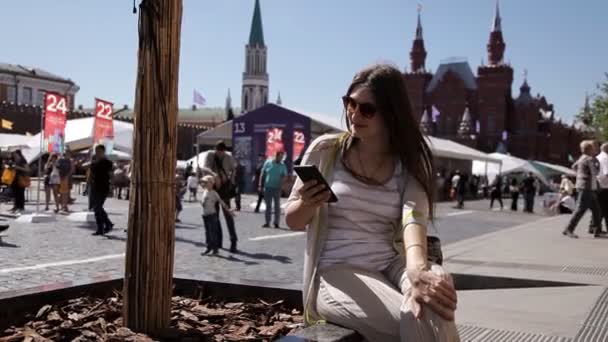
x=311, y=172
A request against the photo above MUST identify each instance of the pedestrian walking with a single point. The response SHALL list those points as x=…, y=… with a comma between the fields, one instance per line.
x=239, y=181
x=256, y=182
x=51, y=182
x=273, y=173
x=222, y=166
x=101, y=175
x=192, y=187
x=21, y=180
x=461, y=189
x=66, y=169
x=587, y=171
x=529, y=191
x=209, y=201
x=496, y=192
x=514, y=189
x=603, y=184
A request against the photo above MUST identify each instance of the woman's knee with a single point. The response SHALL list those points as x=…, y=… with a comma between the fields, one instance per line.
x=430, y=327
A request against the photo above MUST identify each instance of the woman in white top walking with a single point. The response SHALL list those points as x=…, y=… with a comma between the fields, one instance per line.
x=367, y=264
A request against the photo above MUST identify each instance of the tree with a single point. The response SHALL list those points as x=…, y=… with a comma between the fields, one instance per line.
x=599, y=109
x=151, y=229
x=593, y=118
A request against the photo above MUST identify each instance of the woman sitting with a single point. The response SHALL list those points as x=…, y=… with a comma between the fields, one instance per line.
x=367, y=261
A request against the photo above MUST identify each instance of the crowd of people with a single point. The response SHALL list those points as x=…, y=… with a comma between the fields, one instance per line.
x=459, y=186
x=59, y=173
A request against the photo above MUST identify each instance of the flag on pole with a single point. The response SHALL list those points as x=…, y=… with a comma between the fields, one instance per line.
x=435, y=113
x=198, y=98
x=6, y=124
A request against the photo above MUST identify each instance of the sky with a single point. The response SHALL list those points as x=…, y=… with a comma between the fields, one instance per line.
x=314, y=46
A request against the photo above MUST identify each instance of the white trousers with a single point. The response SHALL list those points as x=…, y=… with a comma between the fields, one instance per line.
x=371, y=303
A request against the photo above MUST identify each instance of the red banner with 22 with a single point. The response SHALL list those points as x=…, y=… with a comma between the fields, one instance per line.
x=299, y=141
x=55, y=114
x=104, y=125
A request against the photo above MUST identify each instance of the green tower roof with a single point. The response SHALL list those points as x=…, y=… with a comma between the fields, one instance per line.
x=256, y=37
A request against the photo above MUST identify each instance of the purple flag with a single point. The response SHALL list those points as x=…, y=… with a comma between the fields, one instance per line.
x=434, y=113
x=477, y=127
x=505, y=135
x=198, y=98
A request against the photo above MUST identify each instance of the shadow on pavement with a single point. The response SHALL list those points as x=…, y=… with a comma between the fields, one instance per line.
x=187, y=226
x=9, y=245
x=231, y=257
x=265, y=256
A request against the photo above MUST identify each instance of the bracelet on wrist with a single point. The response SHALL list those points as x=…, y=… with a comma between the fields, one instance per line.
x=414, y=245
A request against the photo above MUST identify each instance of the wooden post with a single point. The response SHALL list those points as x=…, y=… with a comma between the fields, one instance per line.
x=151, y=229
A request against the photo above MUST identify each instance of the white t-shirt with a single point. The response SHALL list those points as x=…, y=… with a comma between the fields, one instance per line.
x=602, y=177
x=360, y=224
x=455, y=180
x=192, y=182
x=209, y=201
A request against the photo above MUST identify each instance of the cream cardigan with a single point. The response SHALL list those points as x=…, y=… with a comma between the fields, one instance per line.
x=323, y=153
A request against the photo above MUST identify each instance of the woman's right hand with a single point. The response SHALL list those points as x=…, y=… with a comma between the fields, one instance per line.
x=434, y=290
x=313, y=194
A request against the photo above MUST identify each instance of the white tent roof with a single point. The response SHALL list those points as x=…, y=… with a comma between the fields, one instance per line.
x=449, y=149
x=558, y=168
x=13, y=141
x=79, y=135
x=219, y=132
x=510, y=164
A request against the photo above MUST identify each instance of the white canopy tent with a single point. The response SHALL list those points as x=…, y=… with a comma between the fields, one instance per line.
x=558, y=169
x=449, y=149
x=220, y=132
x=510, y=164
x=79, y=135
x=14, y=141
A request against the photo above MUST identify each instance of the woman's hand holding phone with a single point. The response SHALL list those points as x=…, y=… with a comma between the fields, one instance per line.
x=313, y=194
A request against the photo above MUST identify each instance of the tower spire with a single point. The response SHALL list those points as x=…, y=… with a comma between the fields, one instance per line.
x=497, y=23
x=228, y=101
x=418, y=52
x=419, y=26
x=496, y=45
x=256, y=36
x=279, y=101
x=254, y=93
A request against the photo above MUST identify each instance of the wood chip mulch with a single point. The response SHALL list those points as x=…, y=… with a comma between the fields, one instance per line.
x=93, y=319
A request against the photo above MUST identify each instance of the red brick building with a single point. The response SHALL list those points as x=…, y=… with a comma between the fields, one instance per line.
x=480, y=111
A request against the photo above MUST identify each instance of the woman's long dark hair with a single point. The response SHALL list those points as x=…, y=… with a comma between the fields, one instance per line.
x=405, y=138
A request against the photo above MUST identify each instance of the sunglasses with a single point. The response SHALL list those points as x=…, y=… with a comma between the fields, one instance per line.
x=367, y=110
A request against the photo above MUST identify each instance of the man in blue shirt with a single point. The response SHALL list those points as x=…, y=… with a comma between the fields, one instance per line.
x=273, y=175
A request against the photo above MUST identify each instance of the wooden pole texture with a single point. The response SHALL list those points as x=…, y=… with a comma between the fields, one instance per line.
x=151, y=228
